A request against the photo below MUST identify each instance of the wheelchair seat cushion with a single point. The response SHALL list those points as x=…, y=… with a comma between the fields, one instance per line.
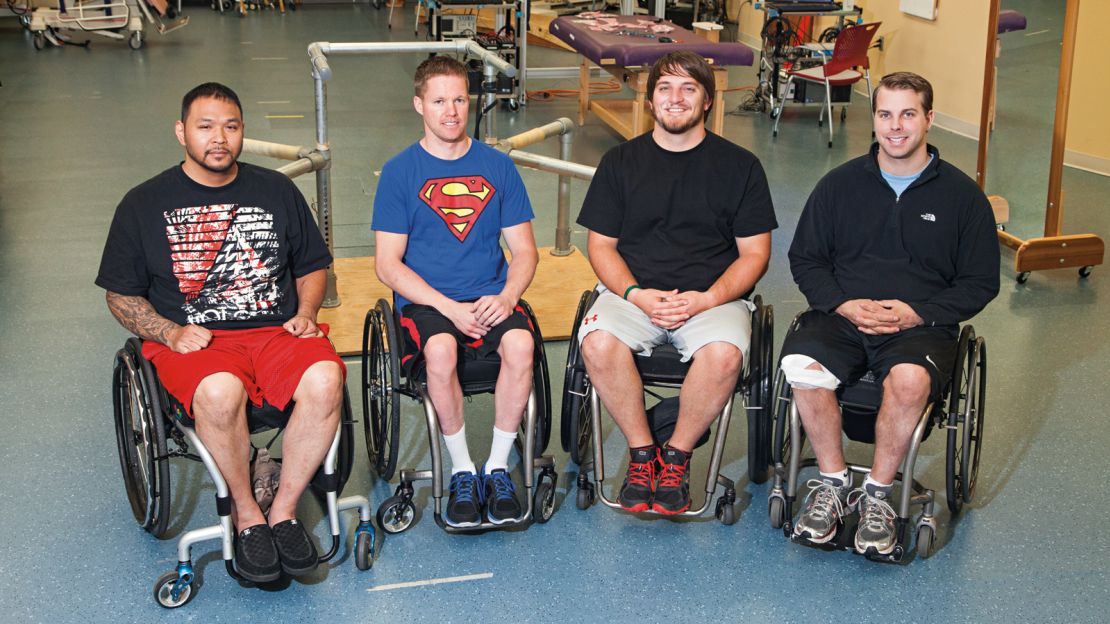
x=269, y=362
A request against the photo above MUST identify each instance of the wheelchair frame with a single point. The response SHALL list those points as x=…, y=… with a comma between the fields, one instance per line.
x=143, y=409
x=961, y=415
x=383, y=382
x=581, y=417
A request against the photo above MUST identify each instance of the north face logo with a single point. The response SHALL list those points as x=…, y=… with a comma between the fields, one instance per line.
x=459, y=201
x=928, y=216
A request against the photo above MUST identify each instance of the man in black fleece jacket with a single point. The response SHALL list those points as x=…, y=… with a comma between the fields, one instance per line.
x=893, y=250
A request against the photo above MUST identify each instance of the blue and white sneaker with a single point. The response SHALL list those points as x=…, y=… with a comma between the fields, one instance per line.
x=500, y=493
x=464, y=505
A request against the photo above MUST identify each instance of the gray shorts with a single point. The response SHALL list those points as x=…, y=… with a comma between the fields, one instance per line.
x=730, y=322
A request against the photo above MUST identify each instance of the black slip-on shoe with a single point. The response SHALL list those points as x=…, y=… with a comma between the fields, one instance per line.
x=256, y=557
x=295, y=547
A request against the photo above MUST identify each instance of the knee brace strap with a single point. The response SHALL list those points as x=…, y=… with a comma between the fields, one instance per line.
x=796, y=370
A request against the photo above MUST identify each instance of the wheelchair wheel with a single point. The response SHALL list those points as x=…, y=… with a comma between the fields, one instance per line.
x=344, y=456
x=541, y=382
x=966, y=407
x=381, y=378
x=780, y=404
x=576, y=425
x=141, y=438
x=760, y=367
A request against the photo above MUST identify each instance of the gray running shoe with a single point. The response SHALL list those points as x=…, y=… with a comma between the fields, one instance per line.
x=875, y=533
x=821, y=518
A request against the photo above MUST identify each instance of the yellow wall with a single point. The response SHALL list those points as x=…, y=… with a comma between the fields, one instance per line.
x=1088, y=124
x=949, y=51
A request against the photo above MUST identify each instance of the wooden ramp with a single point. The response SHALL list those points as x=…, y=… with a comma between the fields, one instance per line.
x=553, y=296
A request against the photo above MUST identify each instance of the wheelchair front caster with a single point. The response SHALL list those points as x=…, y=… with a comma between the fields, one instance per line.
x=364, y=550
x=165, y=595
x=776, y=509
x=924, y=541
x=543, y=505
x=726, y=510
x=585, y=496
x=397, y=513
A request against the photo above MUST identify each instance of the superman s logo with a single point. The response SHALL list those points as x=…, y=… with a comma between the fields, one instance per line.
x=459, y=201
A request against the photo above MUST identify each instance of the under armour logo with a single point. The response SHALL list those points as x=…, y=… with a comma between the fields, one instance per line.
x=586, y=321
x=928, y=216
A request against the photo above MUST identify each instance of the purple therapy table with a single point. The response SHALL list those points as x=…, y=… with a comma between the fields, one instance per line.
x=626, y=46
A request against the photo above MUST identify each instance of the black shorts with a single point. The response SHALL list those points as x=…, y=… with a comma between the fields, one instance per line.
x=421, y=322
x=849, y=353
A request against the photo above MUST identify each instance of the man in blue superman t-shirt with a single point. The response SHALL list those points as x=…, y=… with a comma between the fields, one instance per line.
x=441, y=208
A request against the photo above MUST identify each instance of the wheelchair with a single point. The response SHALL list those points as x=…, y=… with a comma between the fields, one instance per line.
x=581, y=416
x=148, y=419
x=384, y=382
x=959, y=411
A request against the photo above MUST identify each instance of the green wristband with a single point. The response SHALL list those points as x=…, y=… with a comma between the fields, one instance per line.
x=630, y=289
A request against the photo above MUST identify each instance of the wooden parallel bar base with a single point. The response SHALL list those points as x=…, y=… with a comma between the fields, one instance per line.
x=631, y=118
x=1054, y=252
x=553, y=296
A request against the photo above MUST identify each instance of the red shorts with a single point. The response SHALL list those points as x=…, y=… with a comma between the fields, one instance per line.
x=268, y=360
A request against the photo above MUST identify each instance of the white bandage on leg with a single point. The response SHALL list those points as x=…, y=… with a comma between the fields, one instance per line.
x=796, y=369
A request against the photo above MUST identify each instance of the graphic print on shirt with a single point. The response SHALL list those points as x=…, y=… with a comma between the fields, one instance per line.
x=458, y=200
x=226, y=261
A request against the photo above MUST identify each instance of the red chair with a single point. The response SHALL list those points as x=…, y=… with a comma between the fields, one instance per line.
x=848, y=56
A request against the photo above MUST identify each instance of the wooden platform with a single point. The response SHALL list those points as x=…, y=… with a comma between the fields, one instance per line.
x=553, y=296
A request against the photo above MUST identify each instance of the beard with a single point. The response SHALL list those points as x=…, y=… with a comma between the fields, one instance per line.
x=678, y=127
x=199, y=158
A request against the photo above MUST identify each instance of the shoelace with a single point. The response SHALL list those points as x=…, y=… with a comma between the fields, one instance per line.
x=671, y=475
x=641, y=474
x=875, y=512
x=462, y=486
x=502, y=485
x=825, y=499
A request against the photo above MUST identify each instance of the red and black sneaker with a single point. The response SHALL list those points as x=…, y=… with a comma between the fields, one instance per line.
x=639, y=483
x=672, y=490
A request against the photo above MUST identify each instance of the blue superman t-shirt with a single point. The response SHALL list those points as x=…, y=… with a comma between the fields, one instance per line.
x=453, y=212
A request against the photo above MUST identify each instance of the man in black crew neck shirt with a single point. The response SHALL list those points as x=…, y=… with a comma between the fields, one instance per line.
x=680, y=227
x=219, y=267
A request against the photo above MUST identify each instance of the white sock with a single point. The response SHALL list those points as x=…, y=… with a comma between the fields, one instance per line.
x=875, y=484
x=460, y=454
x=499, y=450
x=844, y=477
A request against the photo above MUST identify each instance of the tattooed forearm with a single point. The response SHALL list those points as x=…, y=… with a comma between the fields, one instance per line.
x=138, y=316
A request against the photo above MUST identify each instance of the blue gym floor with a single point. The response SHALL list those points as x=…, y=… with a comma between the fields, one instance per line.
x=80, y=127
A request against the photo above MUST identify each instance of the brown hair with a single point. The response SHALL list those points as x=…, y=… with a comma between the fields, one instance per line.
x=906, y=80
x=436, y=66
x=683, y=63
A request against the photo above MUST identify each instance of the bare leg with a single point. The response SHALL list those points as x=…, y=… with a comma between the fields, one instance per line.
x=708, y=385
x=613, y=372
x=905, y=393
x=821, y=418
x=514, y=382
x=441, y=354
x=309, y=434
x=219, y=408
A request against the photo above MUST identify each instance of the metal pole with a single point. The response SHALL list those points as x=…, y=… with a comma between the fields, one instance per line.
x=323, y=183
x=562, y=218
x=488, y=102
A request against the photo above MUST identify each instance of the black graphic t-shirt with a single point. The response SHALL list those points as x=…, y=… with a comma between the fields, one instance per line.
x=223, y=257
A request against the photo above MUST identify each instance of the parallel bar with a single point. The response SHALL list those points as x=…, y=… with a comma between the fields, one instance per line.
x=275, y=150
x=1054, y=215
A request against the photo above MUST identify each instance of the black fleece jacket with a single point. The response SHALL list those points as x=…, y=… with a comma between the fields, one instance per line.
x=934, y=248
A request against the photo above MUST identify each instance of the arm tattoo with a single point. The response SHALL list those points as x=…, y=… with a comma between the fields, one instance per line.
x=138, y=316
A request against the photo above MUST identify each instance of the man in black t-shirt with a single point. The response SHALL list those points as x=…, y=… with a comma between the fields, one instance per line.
x=680, y=227
x=218, y=266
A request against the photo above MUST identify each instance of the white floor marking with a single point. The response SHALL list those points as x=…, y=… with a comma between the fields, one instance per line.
x=1039, y=32
x=436, y=581
x=270, y=58
x=274, y=102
